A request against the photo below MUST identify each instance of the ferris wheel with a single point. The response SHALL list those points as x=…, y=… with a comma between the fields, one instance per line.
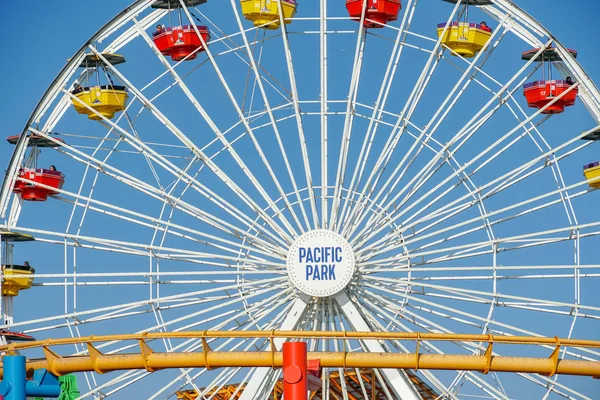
x=294, y=165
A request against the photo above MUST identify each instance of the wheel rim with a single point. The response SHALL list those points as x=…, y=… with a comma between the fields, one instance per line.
x=218, y=227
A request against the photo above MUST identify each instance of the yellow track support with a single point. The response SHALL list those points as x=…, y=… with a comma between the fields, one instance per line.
x=153, y=361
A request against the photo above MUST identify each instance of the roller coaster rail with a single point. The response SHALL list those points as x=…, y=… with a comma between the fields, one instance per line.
x=152, y=361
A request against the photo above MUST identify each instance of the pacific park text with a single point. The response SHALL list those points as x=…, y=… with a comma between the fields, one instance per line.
x=320, y=262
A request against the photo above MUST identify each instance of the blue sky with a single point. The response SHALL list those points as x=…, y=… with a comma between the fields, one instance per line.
x=40, y=36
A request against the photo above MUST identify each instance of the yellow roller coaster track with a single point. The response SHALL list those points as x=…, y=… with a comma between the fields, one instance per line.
x=149, y=360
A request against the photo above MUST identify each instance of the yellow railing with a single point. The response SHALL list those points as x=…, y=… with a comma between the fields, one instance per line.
x=152, y=361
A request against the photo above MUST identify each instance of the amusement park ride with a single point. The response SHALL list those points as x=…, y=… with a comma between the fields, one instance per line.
x=324, y=267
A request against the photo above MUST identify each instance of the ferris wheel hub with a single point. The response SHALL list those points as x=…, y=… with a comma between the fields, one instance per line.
x=320, y=263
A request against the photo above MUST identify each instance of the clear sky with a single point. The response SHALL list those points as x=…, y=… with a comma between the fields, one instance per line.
x=39, y=37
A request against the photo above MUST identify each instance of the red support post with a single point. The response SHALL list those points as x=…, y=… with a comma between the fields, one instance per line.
x=294, y=371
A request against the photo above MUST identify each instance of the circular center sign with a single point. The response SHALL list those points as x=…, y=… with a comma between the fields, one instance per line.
x=320, y=263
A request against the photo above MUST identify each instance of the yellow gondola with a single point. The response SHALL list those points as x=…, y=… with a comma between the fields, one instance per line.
x=265, y=13
x=12, y=285
x=591, y=172
x=466, y=39
x=105, y=100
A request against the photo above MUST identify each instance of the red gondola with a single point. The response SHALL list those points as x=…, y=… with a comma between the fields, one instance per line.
x=32, y=192
x=181, y=41
x=540, y=93
x=379, y=11
x=15, y=336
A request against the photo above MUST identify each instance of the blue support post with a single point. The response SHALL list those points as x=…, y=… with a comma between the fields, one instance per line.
x=14, y=377
x=44, y=384
x=15, y=385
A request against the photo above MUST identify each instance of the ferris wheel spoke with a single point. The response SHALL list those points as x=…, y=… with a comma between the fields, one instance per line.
x=212, y=165
x=163, y=324
x=258, y=80
x=164, y=226
x=334, y=314
x=391, y=239
x=399, y=346
x=554, y=386
x=406, y=114
x=348, y=121
x=299, y=120
x=500, y=269
x=529, y=240
x=129, y=377
x=170, y=215
x=483, y=217
x=533, y=305
x=142, y=249
x=252, y=344
x=494, y=189
x=421, y=322
x=410, y=239
x=170, y=228
x=479, y=296
x=262, y=380
x=420, y=304
x=432, y=126
x=488, y=223
x=413, y=318
x=247, y=126
x=377, y=110
x=581, y=354
x=157, y=326
x=177, y=203
x=137, y=184
x=176, y=380
x=230, y=316
x=268, y=306
x=458, y=210
x=79, y=314
x=379, y=106
x=427, y=326
x=462, y=168
x=398, y=382
x=324, y=117
x=167, y=277
x=467, y=131
x=88, y=171
x=553, y=161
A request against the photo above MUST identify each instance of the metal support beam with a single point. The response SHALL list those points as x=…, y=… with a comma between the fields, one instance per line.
x=103, y=363
x=398, y=382
x=262, y=381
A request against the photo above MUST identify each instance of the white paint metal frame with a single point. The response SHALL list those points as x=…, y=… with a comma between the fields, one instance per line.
x=394, y=220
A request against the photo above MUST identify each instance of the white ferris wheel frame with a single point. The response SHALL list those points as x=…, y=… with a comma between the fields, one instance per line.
x=510, y=18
